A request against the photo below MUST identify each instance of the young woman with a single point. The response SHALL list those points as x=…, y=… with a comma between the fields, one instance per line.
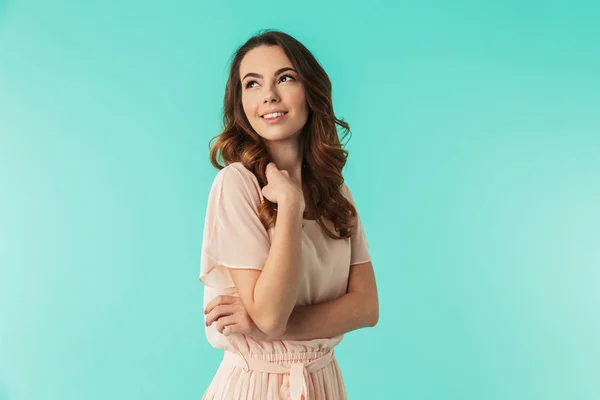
x=285, y=260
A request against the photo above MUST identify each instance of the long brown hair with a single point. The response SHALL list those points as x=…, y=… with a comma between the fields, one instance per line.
x=323, y=154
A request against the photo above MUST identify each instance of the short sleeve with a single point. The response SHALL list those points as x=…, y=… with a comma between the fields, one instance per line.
x=358, y=241
x=234, y=236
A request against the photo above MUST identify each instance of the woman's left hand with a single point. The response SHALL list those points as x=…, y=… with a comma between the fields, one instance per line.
x=231, y=317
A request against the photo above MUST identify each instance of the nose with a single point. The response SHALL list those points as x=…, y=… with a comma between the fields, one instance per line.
x=271, y=96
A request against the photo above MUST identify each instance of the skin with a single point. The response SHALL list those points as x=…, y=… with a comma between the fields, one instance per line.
x=359, y=307
x=275, y=91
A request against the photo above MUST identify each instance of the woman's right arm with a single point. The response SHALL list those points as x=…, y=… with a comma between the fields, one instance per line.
x=270, y=295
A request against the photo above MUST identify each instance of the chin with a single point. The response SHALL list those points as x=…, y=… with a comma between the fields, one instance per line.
x=276, y=136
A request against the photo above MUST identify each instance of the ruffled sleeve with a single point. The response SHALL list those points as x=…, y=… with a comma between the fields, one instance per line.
x=358, y=241
x=234, y=236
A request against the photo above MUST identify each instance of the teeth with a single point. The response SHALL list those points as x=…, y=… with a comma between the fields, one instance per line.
x=273, y=115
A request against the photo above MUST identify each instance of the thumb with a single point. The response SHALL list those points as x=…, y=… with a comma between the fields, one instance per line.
x=265, y=190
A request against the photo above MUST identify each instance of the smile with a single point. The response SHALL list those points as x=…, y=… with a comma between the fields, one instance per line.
x=274, y=118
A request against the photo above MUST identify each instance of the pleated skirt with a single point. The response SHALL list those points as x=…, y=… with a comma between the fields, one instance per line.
x=277, y=376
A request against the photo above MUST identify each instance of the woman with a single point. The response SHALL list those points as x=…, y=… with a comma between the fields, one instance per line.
x=285, y=260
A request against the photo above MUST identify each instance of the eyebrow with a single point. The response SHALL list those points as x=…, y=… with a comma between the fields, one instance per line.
x=279, y=71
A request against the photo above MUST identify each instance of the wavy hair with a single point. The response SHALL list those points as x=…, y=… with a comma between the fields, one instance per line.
x=323, y=154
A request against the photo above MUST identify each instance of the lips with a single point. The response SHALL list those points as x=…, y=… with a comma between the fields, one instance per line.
x=274, y=120
x=273, y=112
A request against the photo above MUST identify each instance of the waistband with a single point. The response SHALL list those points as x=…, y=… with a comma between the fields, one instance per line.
x=300, y=367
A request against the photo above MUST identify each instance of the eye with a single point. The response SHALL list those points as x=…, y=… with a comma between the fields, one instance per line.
x=286, y=76
x=248, y=84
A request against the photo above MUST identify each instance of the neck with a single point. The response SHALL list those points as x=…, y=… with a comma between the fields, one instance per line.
x=288, y=157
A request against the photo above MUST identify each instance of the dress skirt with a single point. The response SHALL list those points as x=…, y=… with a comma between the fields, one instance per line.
x=284, y=376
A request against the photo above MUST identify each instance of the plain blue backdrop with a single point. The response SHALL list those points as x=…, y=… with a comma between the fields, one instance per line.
x=474, y=162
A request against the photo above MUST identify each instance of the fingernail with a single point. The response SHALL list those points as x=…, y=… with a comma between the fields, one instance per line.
x=205, y=312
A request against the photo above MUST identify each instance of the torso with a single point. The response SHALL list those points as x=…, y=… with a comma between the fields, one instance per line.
x=325, y=273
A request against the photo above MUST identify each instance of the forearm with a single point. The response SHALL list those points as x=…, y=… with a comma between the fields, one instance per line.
x=281, y=275
x=332, y=318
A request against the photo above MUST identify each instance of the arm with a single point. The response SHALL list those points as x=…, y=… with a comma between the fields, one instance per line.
x=280, y=276
x=358, y=308
x=279, y=319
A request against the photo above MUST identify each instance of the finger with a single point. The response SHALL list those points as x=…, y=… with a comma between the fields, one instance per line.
x=225, y=321
x=221, y=299
x=218, y=312
x=231, y=329
x=271, y=167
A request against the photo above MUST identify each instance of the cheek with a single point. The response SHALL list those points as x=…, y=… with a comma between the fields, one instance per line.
x=300, y=105
x=298, y=98
x=249, y=107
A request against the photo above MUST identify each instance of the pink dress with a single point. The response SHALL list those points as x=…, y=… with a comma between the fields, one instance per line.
x=234, y=237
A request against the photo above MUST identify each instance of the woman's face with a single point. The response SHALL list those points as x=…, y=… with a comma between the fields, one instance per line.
x=270, y=83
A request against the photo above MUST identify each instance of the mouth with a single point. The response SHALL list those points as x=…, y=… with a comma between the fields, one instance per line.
x=274, y=117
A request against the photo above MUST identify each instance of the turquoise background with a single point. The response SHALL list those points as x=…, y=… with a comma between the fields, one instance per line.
x=474, y=163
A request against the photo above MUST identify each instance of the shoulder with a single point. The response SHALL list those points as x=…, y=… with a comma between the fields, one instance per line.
x=344, y=188
x=238, y=181
x=236, y=174
x=345, y=191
